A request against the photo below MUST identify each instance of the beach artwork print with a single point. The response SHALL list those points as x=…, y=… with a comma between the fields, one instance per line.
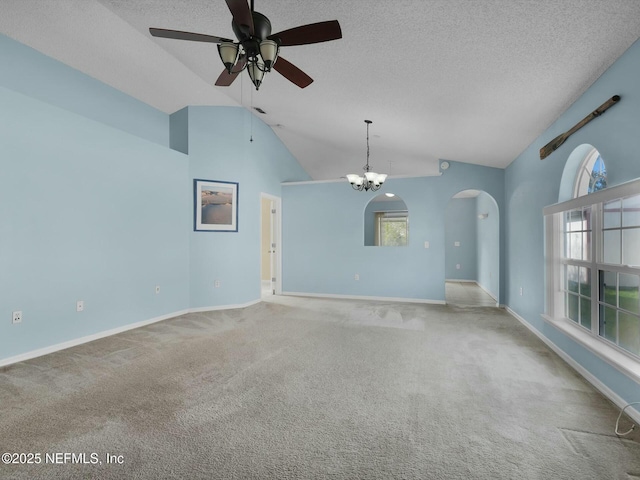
x=216, y=206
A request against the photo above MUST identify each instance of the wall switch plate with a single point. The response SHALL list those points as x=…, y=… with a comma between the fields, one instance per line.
x=356, y=276
x=456, y=244
x=216, y=284
x=79, y=306
x=16, y=316
x=157, y=289
x=457, y=266
x=426, y=244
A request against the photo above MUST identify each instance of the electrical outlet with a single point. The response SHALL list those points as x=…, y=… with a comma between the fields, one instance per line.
x=520, y=291
x=458, y=266
x=216, y=284
x=79, y=306
x=17, y=316
x=157, y=289
x=426, y=244
x=356, y=276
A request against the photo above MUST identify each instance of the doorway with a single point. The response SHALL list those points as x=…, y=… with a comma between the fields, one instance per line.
x=472, y=251
x=270, y=258
x=467, y=294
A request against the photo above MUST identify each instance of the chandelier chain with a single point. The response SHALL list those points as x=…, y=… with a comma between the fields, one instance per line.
x=371, y=180
x=366, y=168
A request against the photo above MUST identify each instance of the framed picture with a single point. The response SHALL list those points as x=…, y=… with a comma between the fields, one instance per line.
x=215, y=205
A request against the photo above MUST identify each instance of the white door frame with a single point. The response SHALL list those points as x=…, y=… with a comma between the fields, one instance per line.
x=277, y=239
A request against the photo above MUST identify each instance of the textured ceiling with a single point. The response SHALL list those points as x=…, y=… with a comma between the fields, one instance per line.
x=472, y=81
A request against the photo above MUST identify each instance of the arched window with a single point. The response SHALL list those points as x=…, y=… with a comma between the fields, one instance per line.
x=591, y=175
x=593, y=260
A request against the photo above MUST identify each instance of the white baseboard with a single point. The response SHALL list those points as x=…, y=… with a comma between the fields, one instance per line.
x=224, y=307
x=362, y=297
x=486, y=290
x=457, y=280
x=601, y=387
x=86, y=339
x=107, y=333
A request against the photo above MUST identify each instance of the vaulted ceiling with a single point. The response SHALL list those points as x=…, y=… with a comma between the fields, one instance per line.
x=471, y=81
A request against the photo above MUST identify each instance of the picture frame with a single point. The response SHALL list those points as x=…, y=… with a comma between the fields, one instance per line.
x=215, y=206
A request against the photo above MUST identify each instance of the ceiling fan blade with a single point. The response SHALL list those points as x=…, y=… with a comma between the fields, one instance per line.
x=306, y=34
x=178, y=35
x=292, y=73
x=241, y=14
x=225, y=79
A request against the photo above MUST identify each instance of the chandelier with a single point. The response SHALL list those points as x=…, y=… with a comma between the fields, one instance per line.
x=370, y=180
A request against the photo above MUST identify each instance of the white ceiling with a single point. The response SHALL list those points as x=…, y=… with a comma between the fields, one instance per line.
x=466, y=80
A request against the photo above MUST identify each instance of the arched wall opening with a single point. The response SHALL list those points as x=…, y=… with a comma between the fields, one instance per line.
x=386, y=222
x=472, y=249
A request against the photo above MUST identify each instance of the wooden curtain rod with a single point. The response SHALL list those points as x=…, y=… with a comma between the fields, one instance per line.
x=554, y=144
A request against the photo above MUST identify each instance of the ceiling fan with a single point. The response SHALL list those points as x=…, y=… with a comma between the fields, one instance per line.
x=257, y=49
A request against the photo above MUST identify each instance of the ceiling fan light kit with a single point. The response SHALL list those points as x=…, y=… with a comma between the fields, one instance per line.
x=256, y=72
x=257, y=49
x=370, y=180
x=269, y=51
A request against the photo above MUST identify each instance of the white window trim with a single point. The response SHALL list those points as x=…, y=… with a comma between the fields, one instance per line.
x=624, y=362
x=613, y=356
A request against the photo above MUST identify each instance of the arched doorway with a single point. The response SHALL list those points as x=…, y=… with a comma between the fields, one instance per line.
x=472, y=249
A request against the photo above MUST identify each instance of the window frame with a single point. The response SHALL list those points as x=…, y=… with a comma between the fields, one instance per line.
x=555, y=291
x=380, y=217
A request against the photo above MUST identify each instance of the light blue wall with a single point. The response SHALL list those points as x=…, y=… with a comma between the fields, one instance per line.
x=179, y=130
x=488, y=246
x=28, y=71
x=323, y=225
x=460, y=226
x=95, y=206
x=220, y=149
x=87, y=212
x=532, y=184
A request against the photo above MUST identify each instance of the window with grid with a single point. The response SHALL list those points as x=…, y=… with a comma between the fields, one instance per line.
x=577, y=268
x=619, y=276
x=593, y=265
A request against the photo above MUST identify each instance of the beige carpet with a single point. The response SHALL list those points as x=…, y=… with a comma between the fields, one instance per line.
x=298, y=388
